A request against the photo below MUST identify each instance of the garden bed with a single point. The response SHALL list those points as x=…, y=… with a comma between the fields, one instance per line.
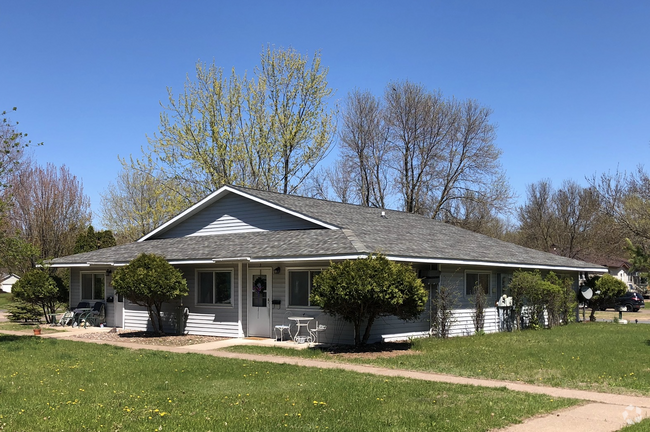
x=148, y=338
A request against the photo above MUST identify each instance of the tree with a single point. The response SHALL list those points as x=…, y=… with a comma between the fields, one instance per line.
x=364, y=149
x=48, y=209
x=149, y=281
x=93, y=240
x=365, y=289
x=606, y=289
x=17, y=256
x=139, y=201
x=569, y=221
x=38, y=288
x=13, y=143
x=434, y=155
x=626, y=200
x=268, y=132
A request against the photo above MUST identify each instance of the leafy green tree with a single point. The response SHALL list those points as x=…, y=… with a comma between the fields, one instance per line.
x=606, y=289
x=149, y=281
x=365, y=289
x=93, y=240
x=268, y=132
x=41, y=290
x=17, y=256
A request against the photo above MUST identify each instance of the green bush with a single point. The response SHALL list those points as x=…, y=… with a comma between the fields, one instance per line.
x=20, y=311
x=533, y=295
x=41, y=290
x=606, y=289
x=149, y=281
x=365, y=289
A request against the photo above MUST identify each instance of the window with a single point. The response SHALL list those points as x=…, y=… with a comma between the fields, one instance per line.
x=215, y=287
x=471, y=279
x=300, y=283
x=92, y=286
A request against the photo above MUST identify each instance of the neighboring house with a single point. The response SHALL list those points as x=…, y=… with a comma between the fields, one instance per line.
x=250, y=256
x=8, y=282
x=619, y=268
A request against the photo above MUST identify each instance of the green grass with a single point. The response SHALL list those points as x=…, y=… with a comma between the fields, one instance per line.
x=19, y=326
x=642, y=426
x=595, y=356
x=5, y=300
x=48, y=384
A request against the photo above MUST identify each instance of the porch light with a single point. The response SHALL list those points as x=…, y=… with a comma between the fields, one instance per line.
x=276, y=270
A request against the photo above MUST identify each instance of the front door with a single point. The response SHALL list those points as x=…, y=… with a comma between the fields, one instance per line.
x=259, y=302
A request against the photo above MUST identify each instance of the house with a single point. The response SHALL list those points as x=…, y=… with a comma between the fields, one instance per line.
x=250, y=256
x=8, y=282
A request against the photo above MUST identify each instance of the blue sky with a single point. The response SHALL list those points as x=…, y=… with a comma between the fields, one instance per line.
x=568, y=81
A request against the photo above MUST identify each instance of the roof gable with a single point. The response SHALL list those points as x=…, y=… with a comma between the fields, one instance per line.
x=231, y=211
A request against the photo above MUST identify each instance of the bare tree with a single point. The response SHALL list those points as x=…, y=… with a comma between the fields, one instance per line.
x=418, y=129
x=364, y=148
x=569, y=221
x=435, y=155
x=468, y=166
x=13, y=143
x=48, y=208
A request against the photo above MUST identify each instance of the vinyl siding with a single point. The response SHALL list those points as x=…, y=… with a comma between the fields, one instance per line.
x=235, y=214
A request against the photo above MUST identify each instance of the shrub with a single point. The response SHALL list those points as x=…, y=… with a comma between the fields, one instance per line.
x=533, y=296
x=443, y=304
x=23, y=311
x=365, y=289
x=479, y=300
x=149, y=281
x=39, y=289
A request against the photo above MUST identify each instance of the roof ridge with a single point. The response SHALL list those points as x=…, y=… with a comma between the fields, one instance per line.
x=358, y=245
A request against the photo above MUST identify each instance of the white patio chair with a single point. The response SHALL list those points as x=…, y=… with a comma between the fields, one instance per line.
x=316, y=330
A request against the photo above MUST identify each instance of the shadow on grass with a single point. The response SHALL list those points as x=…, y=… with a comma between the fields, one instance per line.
x=11, y=338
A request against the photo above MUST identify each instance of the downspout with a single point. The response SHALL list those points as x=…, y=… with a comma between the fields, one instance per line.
x=240, y=300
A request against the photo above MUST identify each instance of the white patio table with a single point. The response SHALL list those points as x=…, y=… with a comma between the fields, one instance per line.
x=301, y=321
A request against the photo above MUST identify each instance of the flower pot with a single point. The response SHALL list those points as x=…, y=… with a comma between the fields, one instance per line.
x=37, y=332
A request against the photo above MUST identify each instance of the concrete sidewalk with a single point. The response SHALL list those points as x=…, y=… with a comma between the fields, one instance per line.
x=604, y=413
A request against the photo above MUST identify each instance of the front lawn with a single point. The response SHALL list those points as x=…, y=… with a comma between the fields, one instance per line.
x=48, y=384
x=594, y=356
x=27, y=327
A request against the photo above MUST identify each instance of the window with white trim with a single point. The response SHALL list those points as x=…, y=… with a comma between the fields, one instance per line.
x=300, y=283
x=473, y=278
x=92, y=286
x=215, y=287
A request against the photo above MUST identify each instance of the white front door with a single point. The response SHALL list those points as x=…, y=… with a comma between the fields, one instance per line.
x=259, y=302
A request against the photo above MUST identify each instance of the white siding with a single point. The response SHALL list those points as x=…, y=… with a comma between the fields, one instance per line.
x=235, y=214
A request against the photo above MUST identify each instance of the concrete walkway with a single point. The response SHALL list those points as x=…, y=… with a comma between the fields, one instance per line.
x=602, y=412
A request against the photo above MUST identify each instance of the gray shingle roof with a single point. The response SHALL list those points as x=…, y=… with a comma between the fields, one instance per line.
x=363, y=230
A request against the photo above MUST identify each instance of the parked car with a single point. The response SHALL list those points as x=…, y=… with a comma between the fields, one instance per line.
x=632, y=301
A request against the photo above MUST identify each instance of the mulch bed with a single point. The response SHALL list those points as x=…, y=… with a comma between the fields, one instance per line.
x=377, y=350
x=148, y=338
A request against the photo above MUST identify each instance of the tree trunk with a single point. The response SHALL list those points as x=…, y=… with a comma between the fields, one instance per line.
x=154, y=316
x=366, y=334
x=357, y=333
